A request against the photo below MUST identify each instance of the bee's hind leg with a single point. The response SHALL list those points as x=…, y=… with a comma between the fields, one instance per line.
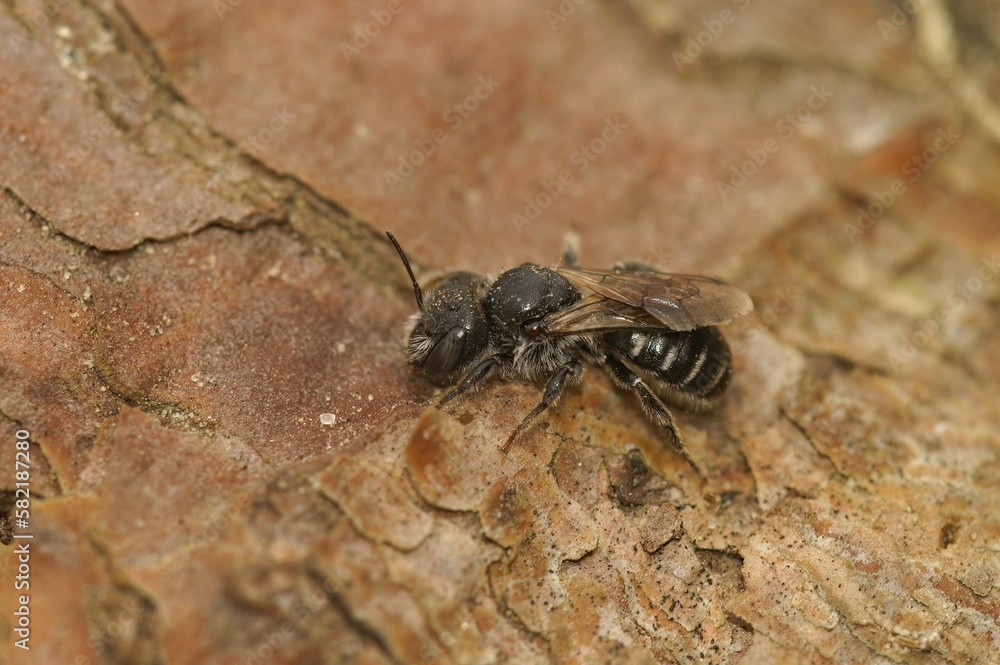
x=625, y=378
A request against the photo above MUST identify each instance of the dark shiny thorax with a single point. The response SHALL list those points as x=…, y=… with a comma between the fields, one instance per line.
x=526, y=294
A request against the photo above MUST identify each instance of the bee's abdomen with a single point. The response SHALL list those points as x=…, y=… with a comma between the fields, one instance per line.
x=696, y=363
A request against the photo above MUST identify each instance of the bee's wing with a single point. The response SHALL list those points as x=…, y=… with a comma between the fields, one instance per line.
x=645, y=298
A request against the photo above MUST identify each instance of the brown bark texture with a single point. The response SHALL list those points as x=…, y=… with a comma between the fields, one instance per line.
x=229, y=459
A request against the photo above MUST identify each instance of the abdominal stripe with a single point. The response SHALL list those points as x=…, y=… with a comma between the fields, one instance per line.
x=697, y=367
x=668, y=360
x=696, y=363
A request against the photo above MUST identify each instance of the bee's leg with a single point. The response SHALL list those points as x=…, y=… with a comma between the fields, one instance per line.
x=571, y=250
x=572, y=370
x=654, y=407
x=634, y=265
x=477, y=374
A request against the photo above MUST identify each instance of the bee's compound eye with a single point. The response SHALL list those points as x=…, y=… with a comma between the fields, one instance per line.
x=446, y=353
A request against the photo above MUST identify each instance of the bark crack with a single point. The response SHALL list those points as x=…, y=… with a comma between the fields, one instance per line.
x=802, y=430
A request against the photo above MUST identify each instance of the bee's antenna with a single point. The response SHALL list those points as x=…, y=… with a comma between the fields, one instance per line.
x=416, y=287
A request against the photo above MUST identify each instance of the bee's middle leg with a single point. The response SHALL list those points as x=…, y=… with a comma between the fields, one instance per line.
x=571, y=371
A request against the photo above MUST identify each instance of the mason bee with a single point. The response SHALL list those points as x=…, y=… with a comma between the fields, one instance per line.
x=653, y=332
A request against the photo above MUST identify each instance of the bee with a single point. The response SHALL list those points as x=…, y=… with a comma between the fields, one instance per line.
x=653, y=332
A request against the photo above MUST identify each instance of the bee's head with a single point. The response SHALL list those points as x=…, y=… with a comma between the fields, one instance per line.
x=450, y=331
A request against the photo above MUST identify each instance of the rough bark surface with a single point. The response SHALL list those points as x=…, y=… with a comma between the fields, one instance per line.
x=201, y=322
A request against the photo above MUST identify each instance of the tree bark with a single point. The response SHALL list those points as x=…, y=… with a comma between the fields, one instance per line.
x=201, y=341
